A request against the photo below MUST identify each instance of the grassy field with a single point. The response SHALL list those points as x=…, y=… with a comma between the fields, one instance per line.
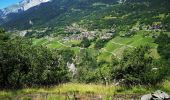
x=60, y=91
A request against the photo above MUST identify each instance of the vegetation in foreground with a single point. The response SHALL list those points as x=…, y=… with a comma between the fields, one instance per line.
x=83, y=89
x=24, y=65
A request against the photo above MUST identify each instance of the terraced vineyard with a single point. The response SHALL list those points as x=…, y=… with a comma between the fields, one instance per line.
x=114, y=47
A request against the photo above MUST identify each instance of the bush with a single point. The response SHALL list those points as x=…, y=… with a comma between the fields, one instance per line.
x=137, y=67
x=100, y=43
x=22, y=64
x=85, y=43
x=163, y=42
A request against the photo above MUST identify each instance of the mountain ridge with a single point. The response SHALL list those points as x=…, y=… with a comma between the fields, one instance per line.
x=59, y=13
x=21, y=6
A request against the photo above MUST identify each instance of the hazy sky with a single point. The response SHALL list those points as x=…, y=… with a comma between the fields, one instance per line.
x=5, y=3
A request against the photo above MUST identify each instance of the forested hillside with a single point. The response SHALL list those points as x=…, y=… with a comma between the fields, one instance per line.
x=105, y=12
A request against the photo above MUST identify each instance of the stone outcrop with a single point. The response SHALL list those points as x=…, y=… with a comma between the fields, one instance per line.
x=157, y=95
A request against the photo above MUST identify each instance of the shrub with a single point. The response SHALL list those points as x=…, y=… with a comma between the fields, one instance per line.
x=137, y=67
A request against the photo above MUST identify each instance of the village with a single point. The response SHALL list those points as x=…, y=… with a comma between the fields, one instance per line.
x=78, y=33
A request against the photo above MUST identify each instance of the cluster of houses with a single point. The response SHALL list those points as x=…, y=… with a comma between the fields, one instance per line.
x=78, y=33
x=154, y=27
x=89, y=35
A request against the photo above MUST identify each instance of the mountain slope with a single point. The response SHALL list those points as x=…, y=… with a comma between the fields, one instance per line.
x=8, y=14
x=22, y=6
x=92, y=14
x=45, y=12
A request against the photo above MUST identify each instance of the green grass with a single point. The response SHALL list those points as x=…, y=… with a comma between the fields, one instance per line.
x=84, y=88
x=75, y=49
x=59, y=91
x=75, y=42
x=111, y=46
x=119, y=51
x=127, y=40
x=39, y=41
x=165, y=86
x=154, y=53
x=168, y=33
x=104, y=56
x=143, y=41
x=54, y=44
x=118, y=44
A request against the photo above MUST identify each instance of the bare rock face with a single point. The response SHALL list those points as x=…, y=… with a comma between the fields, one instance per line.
x=157, y=95
x=72, y=68
x=146, y=97
x=27, y=4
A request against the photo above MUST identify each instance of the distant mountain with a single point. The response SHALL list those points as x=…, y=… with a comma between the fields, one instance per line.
x=20, y=17
x=21, y=6
x=11, y=9
x=1, y=12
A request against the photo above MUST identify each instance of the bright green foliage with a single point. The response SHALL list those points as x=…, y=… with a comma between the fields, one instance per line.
x=86, y=67
x=163, y=45
x=22, y=64
x=137, y=67
x=105, y=71
x=163, y=48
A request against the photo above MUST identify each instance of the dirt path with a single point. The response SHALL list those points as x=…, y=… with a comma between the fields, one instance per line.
x=123, y=44
x=63, y=44
x=105, y=50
